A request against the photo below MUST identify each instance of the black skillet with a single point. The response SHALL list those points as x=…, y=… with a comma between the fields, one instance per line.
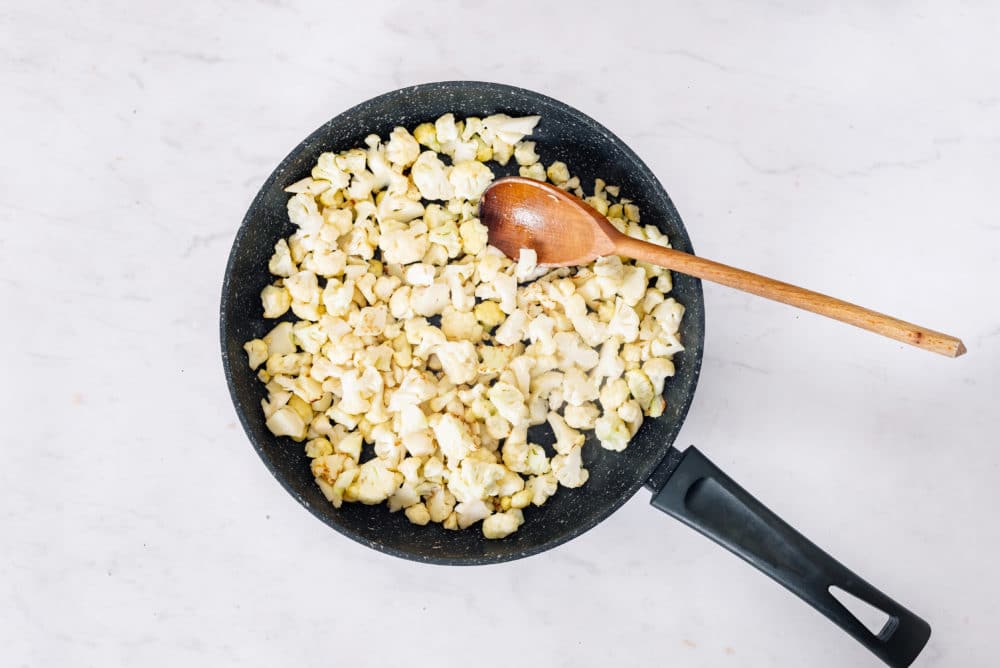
x=684, y=484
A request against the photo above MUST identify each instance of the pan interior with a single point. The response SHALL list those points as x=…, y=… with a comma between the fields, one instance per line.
x=590, y=151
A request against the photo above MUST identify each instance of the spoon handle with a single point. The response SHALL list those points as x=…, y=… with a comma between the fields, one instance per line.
x=852, y=314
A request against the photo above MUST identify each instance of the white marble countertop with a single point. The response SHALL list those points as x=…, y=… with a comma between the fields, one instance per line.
x=853, y=150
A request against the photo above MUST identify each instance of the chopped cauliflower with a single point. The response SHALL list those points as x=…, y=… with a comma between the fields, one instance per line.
x=410, y=333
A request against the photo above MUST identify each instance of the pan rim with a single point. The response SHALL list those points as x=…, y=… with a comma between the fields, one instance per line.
x=694, y=352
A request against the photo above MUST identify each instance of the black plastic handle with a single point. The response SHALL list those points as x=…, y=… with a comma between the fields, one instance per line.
x=694, y=490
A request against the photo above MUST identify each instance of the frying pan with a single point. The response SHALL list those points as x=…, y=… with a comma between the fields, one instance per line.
x=684, y=484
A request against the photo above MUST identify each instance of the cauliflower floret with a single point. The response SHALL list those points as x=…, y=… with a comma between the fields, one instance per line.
x=420, y=274
x=524, y=154
x=256, y=353
x=287, y=422
x=440, y=504
x=457, y=325
x=302, y=211
x=501, y=525
x=612, y=432
x=578, y=387
x=507, y=129
x=669, y=314
x=371, y=320
x=474, y=236
x=567, y=438
x=402, y=149
x=513, y=328
x=509, y=402
x=613, y=394
x=432, y=177
x=470, y=512
x=527, y=262
x=568, y=468
x=541, y=487
x=430, y=300
x=376, y=481
x=632, y=287
x=445, y=129
x=458, y=360
x=281, y=263
x=658, y=370
x=625, y=322
x=418, y=514
x=279, y=340
x=488, y=313
x=506, y=290
x=583, y=416
x=558, y=173
x=454, y=438
x=275, y=301
x=395, y=209
x=327, y=169
x=469, y=179
x=640, y=387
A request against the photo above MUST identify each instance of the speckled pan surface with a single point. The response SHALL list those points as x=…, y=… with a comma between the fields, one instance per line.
x=590, y=151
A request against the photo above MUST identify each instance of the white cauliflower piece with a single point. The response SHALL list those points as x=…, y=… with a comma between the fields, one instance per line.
x=513, y=328
x=583, y=416
x=275, y=301
x=568, y=468
x=613, y=394
x=420, y=274
x=303, y=211
x=658, y=370
x=509, y=402
x=430, y=300
x=279, y=340
x=469, y=179
x=454, y=438
x=524, y=154
x=418, y=514
x=376, y=481
x=470, y=512
x=541, y=487
x=640, y=387
x=567, y=438
x=507, y=129
x=501, y=525
x=632, y=287
x=445, y=129
x=440, y=504
x=402, y=149
x=458, y=325
x=625, y=322
x=612, y=432
x=281, y=263
x=506, y=290
x=432, y=177
x=256, y=353
x=287, y=422
x=474, y=236
x=578, y=387
x=669, y=314
x=459, y=361
x=327, y=169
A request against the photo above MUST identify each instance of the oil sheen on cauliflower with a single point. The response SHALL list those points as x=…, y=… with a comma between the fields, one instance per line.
x=414, y=336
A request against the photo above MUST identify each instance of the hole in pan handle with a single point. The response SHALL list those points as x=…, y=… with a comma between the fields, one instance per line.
x=694, y=490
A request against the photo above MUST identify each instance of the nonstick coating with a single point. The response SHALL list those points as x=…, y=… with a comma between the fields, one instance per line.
x=590, y=151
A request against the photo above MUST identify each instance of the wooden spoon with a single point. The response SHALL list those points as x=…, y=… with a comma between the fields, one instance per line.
x=564, y=231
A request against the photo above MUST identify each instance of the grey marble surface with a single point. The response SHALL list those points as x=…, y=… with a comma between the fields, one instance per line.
x=853, y=149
